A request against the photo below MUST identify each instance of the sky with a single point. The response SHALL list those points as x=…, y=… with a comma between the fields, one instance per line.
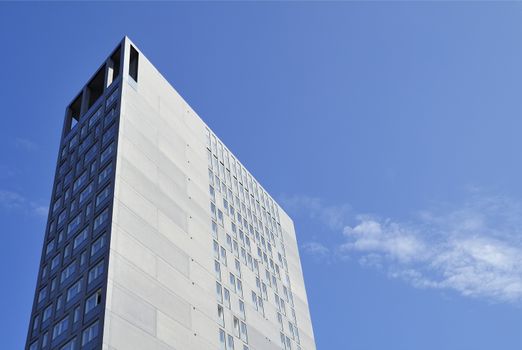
x=389, y=131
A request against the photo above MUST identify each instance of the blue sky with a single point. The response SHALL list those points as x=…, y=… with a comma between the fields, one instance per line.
x=389, y=131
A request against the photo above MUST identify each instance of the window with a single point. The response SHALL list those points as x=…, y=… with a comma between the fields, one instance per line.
x=53, y=284
x=36, y=323
x=108, y=135
x=221, y=316
x=221, y=339
x=74, y=290
x=42, y=295
x=213, y=210
x=83, y=258
x=101, y=219
x=102, y=195
x=57, y=204
x=212, y=193
x=34, y=346
x=230, y=342
x=59, y=302
x=217, y=269
x=95, y=117
x=239, y=286
x=73, y=225
x=236, y=249
x=96, y=272
x=61, y=327
x=93, y=164
x=98, y=245
x=104, y=174
x=107, y=153
x=243, y=256
x=45, y=339
x=227, y=297
x=254, y=300
x=93, y=301
x=219, y=292
x=244, y=334
x=238, y=267
x=86, y=193
x=67, y=251
x=229, y=242
x=50, y=247
x=220, y=217
x=291, y=329
x=80, y=238
x=69, y=346
x=236, y=326
x=47, y=313
x=232, y=280
x=61, y=217
x=55, y=262
x=76, y=315
x=214, y=230
x=80, y=181
x=90, y=333
x=216, y=250
x=73, y=142
x=109, y=117
x=223, y=256
x=242, y=309
x=261, y=307
x=68, y=177
x=88, y=210
x=225, y=205
x=91, y=153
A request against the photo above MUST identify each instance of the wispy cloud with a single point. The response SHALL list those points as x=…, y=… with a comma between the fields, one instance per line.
x=315, y=248
x=25, y=144
x=13, y=200
x=474, y=248
x=10, y=199
x=333, y=216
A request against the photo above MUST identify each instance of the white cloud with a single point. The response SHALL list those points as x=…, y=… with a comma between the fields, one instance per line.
x=315, y=248
x=387, y=238
x=14, y=200
x=40, y=210
x=331, y=215
x=10, y=199
x=25, y=144
x=474, y=249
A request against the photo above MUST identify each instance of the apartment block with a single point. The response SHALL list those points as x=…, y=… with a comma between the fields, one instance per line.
x=157, y=236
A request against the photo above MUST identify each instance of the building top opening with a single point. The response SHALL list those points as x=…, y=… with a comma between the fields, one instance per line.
x=95, y=87
x=133, y=63
x=74, y=112
x=114, y=66
x=76, y=107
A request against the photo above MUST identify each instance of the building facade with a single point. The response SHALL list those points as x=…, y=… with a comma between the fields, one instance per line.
x=157, y=236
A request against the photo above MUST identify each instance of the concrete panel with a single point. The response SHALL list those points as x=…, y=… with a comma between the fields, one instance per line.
x=133, y=310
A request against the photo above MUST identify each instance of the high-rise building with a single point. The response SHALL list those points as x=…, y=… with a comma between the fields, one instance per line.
x=157, y=236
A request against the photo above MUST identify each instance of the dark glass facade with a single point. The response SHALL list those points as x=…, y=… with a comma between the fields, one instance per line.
x=69, y=300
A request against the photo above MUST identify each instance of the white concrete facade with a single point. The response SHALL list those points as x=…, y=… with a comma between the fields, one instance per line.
x=162, y=279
